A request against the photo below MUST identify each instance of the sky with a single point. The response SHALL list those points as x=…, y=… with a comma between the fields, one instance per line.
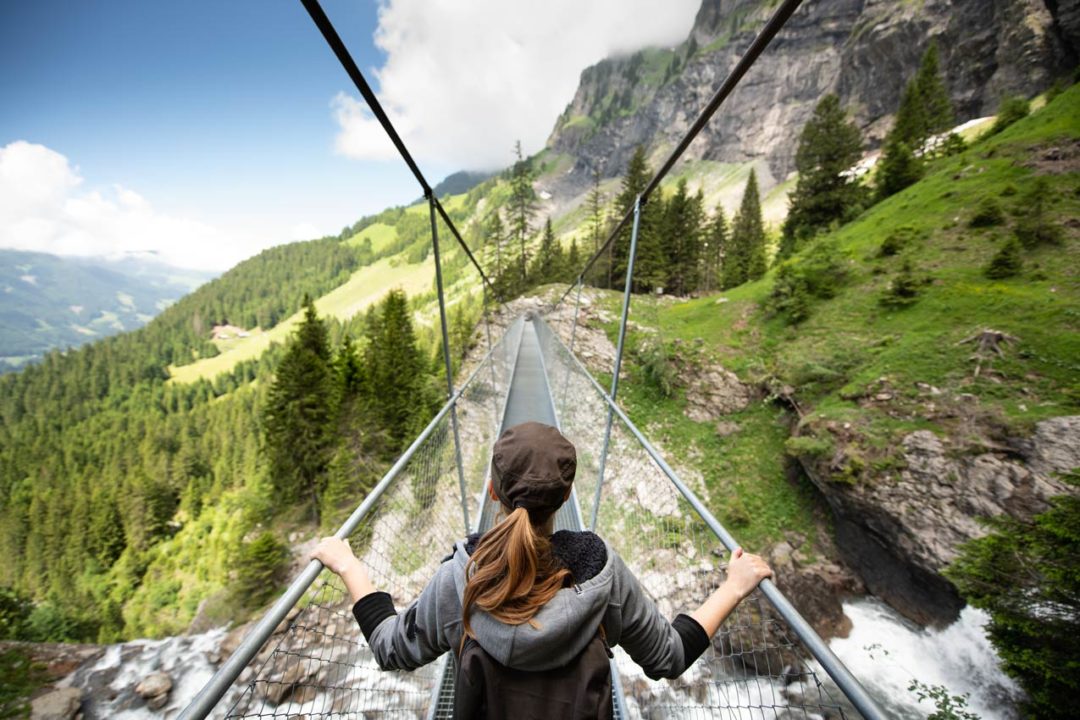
x=208, y=130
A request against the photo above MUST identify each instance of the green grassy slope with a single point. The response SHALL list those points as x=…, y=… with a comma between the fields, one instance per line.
x=866, y=374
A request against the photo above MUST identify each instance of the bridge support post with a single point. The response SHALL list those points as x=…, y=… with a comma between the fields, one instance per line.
x=573, y=335
x=449, y=365
x=618, y=358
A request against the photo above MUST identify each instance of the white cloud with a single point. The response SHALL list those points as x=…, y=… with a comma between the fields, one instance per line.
x=45, y=208
x=306, y=231
x=464, y=79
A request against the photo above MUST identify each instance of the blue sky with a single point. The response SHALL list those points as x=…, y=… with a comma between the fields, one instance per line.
x=234, y=116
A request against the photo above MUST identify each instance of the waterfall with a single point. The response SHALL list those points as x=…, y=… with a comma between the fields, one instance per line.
x=886, y=652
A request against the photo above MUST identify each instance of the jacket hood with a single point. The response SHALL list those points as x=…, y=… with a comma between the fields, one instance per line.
x=559, y=631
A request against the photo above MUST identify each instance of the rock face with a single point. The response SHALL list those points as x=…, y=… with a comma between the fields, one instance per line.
x=714, y=391
x=900, y=530
x=863, y=50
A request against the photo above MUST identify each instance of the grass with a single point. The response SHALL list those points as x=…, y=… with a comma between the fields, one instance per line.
x=745, y=480
x=380, y=234
x=365, y=287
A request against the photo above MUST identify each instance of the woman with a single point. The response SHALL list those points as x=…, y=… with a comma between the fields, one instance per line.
x=532, y=599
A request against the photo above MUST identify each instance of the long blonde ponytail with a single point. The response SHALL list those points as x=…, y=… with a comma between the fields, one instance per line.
x=512, y=573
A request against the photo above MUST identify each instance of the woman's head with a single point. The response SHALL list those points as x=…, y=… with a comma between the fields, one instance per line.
x=533, y=467
x=512, y=573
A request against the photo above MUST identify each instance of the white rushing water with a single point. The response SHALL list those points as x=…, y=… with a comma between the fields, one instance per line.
x=886, y=652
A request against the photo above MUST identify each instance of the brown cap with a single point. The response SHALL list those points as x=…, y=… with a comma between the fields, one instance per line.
x=533, y=467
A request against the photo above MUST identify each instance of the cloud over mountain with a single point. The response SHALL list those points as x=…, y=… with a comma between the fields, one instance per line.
x=463, y=80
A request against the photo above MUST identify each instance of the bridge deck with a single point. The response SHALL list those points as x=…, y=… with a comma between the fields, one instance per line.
x=529, y=398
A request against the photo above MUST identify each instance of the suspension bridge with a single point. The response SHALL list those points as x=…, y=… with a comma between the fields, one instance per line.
x=305, y=658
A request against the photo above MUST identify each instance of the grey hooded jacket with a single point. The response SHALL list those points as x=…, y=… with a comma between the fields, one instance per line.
x=432, y=624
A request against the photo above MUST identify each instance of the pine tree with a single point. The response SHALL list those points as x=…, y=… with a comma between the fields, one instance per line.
x=548, y=261
x=597, y=224
x=747, y=257
x=299, y=412
x=910, y=126
x=350, y=372
x=260, y=566
x=829, y=146
x=1007, y=262
x=937, y=108
x=650, y=261
x=398, y=372
x=681, y=230
x=573, y=261
x=633, y=184
x=496, y=235
x=714, y=250
x=522, y=204
x=897, y=168
x=925, y=108
x=1025, y=575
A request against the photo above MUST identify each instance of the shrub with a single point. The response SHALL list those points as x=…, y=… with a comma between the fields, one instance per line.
x=14, y=615
x=897, y=240
x=1012, y=109
x=656, y=366
x=904, y=288
x=1035, y=227
x=260, y=568
x=816, y=273
x=987, y=214
x=1007, y=262
x=21, y=677
x=953, y=144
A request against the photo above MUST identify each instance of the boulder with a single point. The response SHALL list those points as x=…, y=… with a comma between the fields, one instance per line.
x=59, y=704
x=154, y=684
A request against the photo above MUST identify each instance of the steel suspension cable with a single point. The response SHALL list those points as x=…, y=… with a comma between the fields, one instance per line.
x=772, y=27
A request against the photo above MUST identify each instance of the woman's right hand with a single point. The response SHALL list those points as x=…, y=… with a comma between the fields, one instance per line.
x=745, y=571
x=334, y=553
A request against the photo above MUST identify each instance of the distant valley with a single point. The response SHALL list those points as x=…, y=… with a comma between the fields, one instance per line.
x=52, y=302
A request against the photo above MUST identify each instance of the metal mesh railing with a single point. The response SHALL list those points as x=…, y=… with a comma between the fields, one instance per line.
x=317, y=664
x=755, y=667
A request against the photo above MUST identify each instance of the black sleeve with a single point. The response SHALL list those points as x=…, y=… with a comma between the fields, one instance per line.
x=694, y=638
x=372, y=609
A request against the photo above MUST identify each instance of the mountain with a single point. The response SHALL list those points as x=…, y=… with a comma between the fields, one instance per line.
x=53, y=302
x=865, y=51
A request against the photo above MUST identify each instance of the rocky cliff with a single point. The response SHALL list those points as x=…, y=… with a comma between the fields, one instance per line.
x=864, y=50
x=900, y=531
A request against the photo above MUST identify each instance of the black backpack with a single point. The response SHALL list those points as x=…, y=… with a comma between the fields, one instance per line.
x=580, y=690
